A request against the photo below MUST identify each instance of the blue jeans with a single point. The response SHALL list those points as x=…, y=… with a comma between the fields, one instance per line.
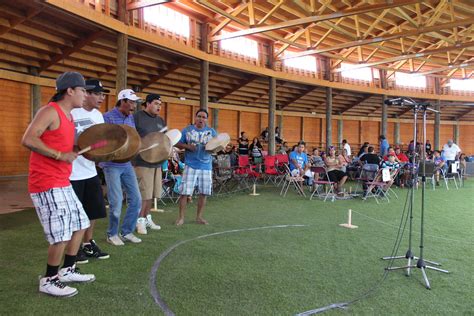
x=116, y=178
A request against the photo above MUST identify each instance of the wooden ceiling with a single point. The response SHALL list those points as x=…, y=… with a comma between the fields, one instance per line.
x=435, y=37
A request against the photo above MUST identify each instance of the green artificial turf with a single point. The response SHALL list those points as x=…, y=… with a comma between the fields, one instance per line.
x=267, y=271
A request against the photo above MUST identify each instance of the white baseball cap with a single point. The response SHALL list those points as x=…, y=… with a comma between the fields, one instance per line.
x=128, y=94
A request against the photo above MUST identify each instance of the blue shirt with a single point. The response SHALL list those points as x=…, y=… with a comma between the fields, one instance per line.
x=301, y=159
x=383, y=147
x=200, y=158
x=114, y=116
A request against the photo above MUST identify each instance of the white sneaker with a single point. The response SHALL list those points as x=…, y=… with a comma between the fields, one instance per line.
x=52, y=286
x=141, y=225
x=150, y=224
x=115, y=240
x=131, y=238
x=72, y=274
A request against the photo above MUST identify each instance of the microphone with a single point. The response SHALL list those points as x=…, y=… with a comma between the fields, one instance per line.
x=396, y=101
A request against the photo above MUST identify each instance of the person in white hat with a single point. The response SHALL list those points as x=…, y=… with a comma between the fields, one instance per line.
x=118, y=175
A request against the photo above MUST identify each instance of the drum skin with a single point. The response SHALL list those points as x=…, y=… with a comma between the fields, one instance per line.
x=218, y=143
x=115, y=135
x=134, y=143
x=159, y=153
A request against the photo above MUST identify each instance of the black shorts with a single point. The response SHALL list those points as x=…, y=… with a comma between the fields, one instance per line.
x=336, y=175
x=89, y=192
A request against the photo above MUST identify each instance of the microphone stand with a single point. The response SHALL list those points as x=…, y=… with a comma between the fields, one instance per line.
x=421, y=262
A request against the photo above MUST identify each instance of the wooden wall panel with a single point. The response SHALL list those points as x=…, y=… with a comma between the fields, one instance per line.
x=14, y=119
x=446, y=132
x=46, y=94
x=292, y=129
x=179, y=115
x=351, y=133
x=429, y=133
x=370, y=132
x=312, y=132
x=228, y=122
x=390, y=133
x=334, y=133
x=406, y=134
x=466, y=139
x=250, y=123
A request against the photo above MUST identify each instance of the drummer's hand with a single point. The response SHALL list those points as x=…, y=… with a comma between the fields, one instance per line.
x=68, y=157
x=192, y=147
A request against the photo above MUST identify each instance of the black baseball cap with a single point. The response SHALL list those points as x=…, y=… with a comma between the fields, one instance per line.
x=152, y=97
x=97, y=86
x=71, y=79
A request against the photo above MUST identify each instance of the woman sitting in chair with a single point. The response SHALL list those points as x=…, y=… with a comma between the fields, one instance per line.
x=334, y=166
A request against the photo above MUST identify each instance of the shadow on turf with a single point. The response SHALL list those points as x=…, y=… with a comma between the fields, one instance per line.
x=14, y=220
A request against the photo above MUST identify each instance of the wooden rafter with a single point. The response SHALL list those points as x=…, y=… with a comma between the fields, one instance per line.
x=464, y=113
x=236, y=87
x=172, y=68
x=270, y=13
x=18, y=20
x=450, y=67
x=145, y=3
x=226, y=21
x=378, y=39
x=78, y=45
x=311, y=19
x=307, y=91
x=356, y=103
x=414, y=55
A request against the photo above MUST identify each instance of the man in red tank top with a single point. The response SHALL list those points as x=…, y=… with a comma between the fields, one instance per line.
x=50, y=136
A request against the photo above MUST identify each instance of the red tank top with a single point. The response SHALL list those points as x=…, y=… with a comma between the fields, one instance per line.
x=47, y=173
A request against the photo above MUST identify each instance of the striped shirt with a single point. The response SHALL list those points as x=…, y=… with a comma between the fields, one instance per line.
x=114, y=116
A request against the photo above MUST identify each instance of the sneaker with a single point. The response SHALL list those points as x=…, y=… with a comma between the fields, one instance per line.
x=131, y=238
x=141, y=226
x=93, y=251
x=115, y=240
x=72, y=274
x=81, y=257
x=52, y=286
x=150, y=224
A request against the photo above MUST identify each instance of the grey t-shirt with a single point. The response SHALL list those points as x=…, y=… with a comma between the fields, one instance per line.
x=145, y=124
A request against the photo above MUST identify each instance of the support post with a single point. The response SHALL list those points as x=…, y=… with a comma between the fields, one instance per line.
x=328, y=117
x=437, y=125
x=456, y=132
x=396, y=133
x=271, y=115
x=340, y=129
x=204, y=84
x=35, y=93
x=280, y=124
x=215, y=119
x=383, y=124
x=122, y=56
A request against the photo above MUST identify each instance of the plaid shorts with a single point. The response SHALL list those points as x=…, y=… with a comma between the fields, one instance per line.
x=60, y=212
x=196, y=177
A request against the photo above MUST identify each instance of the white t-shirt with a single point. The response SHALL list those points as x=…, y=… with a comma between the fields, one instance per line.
x=348, y=149
x=450, y=152
x=83, y=168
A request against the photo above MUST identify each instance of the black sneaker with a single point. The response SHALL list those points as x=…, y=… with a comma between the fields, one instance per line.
x=81, y=257
x=93, y=251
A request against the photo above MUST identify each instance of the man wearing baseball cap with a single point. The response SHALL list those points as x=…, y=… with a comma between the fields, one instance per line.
x=50, y=137
x=84, y=178
x=148, y=174
x=118, y=175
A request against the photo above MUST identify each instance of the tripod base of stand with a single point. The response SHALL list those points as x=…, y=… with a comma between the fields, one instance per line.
x=420, y=264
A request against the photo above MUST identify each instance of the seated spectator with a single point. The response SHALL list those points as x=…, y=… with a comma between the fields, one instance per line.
x=264, y=135
x=428, y=148
x=334, y=166
x=391, y=162
x=299, y=160
x=402, y=158
x=363, y=149
x=230, y=151
x=243, y=144
x=278, y=139
x=451, y=152
x=462, y=161
x=283, y=148
x=255, y=151
x=347, y=147
x=440, y=165
x=345, y=160
x=371, y=157
x=390, y=151
x=316, y=159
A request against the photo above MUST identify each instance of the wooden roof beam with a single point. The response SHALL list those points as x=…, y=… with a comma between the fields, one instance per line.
x=70, y=50
x=311, y=19
x=356, y=103
x=145, y=3
x=294, y=99
x=414, y=55
x=18, y=20
x=180, y=63
x=378, y=39
x=226, y=21
x=237, y=87
x=464, y=113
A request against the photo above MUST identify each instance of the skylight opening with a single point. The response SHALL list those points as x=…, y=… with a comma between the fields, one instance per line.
x=410, y=80
x=241, y=45
x=462, y=84
x=168, y=19
x=364, y=74
x=304, y=62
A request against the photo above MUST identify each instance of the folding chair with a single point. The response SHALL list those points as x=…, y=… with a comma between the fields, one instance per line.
x=367, y=174
x=170, y=187
x=222, y=175
x=323, y=182
x=373, y=187
x=430, y=173
x=271, y=172
x=451, y=174
x=296, y=181
x=245, y=172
